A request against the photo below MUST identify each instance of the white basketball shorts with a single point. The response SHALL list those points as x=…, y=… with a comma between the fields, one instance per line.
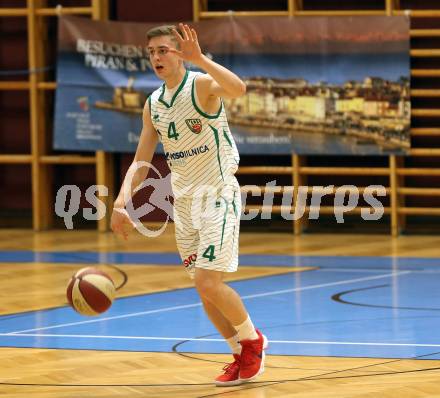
x=207, y=229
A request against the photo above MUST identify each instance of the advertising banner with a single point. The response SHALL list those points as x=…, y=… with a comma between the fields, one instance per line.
x=315, y=85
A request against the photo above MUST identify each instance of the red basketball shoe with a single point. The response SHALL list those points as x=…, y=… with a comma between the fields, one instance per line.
x=252, y=357
x=230, y=376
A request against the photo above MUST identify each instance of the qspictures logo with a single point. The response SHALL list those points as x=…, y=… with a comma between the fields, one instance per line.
x=296, y=202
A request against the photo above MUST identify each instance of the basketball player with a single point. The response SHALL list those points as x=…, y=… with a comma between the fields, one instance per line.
x=187, y=115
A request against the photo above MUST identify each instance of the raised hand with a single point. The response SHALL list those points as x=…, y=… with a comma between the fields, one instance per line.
x=189, y=49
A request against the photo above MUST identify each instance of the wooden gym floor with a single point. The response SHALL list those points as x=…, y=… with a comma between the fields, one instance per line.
x=346, y=316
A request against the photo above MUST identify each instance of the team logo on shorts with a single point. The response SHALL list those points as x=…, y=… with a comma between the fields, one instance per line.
x=195, y=125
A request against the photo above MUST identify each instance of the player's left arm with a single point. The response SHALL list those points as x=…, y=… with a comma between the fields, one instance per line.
x=218, y=80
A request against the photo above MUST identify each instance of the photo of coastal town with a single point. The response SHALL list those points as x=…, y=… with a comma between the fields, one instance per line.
x=125, y=99
x=373, y=112
x=318, y=85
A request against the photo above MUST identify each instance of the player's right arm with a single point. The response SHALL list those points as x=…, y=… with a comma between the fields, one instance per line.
x=136, y=174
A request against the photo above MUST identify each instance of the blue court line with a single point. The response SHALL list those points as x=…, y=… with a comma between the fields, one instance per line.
x=78, y=257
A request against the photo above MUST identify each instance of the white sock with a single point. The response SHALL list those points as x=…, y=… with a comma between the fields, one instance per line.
x=246, y=330
x=234, y=344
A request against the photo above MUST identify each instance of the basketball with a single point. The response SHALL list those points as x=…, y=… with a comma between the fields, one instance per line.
x=90, y=291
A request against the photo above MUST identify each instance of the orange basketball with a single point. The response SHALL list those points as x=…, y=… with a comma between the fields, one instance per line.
x=90, y=291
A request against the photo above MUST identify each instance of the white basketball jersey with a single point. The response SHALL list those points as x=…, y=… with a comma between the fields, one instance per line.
x=199, y=147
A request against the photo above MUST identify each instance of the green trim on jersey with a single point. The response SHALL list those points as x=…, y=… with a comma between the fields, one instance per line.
x=175, y=94
x=225, y=133
x=193, y=98
x=224, y=221
x=234, y=206
x=149, y=102
x=217, y=143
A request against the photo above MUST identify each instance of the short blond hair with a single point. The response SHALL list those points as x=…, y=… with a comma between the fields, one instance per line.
x=163, y=30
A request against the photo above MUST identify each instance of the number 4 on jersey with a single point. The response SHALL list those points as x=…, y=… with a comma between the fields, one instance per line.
x=172, y=133
x=209, y=253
